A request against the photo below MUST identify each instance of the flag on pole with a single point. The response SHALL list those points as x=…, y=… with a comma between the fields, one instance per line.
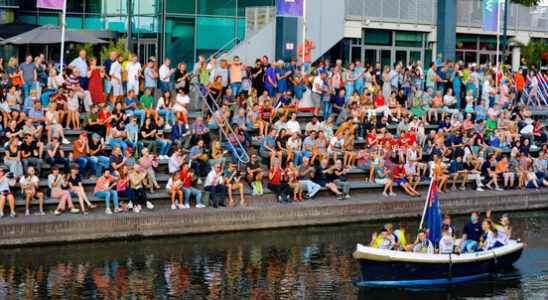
x=50, y=4
x=289, y=8
x=490, y=15
x=433, y=215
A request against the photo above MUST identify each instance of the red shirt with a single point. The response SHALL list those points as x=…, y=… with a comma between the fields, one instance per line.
x=398, y=172
x=186, y=178
x=379, y=101
x=277, y=178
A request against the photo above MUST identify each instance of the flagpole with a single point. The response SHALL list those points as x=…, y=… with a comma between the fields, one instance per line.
x=498, y=45
x=62, y=56
x=426, y=203
x=304, y=35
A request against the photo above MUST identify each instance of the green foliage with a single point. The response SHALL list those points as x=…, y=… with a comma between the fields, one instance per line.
x=527, y=2
x=534, y=52
x=118, y=46
x=74, y=50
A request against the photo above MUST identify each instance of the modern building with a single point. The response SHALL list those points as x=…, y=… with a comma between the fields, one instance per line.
x=386, y=31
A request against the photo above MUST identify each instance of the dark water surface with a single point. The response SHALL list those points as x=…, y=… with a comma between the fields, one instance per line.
x=304, y=263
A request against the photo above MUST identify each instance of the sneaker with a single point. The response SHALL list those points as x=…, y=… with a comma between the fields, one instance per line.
x=57, y=212
x=149, y=205
x=385, y=194
x=130, y=205
x=41, y=213
x=199, y=181
x=27, y=212
x=479, y=189
x=186, y=206
x=173, y=206
x=74, y=210
x=108, y=211
x=347, y=196
x=117, y=210
x=200, y=205
x=498, y=189
x=392, y=194
x=1, y=214
x=462, y=188
x=12, y=214
x=137, y=208
x=180, y=206
x=65, y=141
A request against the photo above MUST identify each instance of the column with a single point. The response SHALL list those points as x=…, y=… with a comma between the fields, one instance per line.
x=447, y=27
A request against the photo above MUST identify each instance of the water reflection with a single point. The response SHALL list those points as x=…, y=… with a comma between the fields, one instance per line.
x=310, y=263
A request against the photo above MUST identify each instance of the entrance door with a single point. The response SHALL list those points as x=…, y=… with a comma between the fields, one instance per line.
x=385, y=58
x=401, y=57
x=414, y=56
x=370, y=57
x=147, y=48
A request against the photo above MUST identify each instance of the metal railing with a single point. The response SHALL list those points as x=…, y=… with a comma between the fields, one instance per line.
x=202, y=93
x=225, y=48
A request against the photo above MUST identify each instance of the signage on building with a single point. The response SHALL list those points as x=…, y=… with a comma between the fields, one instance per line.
x=289, y=8
x=490, y=15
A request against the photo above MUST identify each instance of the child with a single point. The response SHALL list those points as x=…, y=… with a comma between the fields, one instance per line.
x=174, y=188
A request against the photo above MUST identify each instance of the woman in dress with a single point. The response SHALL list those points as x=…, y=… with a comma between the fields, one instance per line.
x=95, y=75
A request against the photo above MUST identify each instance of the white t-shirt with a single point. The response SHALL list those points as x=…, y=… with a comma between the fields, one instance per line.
x=116, y=71
x=133, y=70
x=25, y=180
x=317, y=87
x=164, y=73
x=293, y=126
x=446, y=245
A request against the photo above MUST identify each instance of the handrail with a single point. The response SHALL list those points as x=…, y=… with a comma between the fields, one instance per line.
x=244, y=158
x=224, y=47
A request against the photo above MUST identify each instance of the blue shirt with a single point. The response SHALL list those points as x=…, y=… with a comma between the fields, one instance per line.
x=270, y=73
x=81, y=65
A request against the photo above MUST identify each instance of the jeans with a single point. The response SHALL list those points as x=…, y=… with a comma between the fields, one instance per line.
x=164, y=147
x=235, y=87
x=469, y=246
x=326, y=108
x=84, y=161
x=343, y=184
x=102, y=163
x=118, y=142
x=168, y=115
x=59, y=161
x=311, y=187
x=108, y=195
x=235, y=152
x=192, y=191
x=33, y=161
x=139, y=113
x=165, y=86
x=217, y=194
x=349, y=87
x=29, y=85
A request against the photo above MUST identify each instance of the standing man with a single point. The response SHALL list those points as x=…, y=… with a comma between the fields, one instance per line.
x=236, y=76
x=115, y=74
x=107, y=65
x=29, y=75
x=81, y=64
x=133, y=70
x=165, y=76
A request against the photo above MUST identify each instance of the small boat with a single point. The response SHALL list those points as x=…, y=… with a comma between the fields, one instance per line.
x=408, y=269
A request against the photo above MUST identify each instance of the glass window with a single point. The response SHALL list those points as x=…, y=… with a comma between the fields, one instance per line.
x=378, y=37
x=467, y=42
x=181, y=7
x=409, y=39
x=180, y=39
x=94, y=23
x=217, y=7
x=147, y=7
x=427, y=57
x=214, y=34
x=74, y=22
x=242, y=4
x=488, y=43
x=54, y=20
x=93, y=6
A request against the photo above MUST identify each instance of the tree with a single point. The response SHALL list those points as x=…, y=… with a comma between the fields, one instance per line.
x=527, y=2
x=534, y=52
x=119, y=46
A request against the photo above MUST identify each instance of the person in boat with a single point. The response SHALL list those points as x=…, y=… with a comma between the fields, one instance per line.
x=447, y=243
x=423, y=244
x=503, y=225
x=447, y=221
x=400, y=235
x=491, y=237
x=386, y=240
x=471, y=235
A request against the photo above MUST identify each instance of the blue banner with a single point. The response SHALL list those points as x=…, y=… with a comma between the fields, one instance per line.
x=433, y=215
x=289, y=8
x=490, y=15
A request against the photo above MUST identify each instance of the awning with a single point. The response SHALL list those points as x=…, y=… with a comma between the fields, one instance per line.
x=51, y=34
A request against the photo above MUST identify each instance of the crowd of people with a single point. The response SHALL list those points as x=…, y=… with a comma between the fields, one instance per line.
x=477, y=235
x=463, y=124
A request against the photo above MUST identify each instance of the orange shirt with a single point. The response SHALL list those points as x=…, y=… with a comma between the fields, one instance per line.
x=501, y=167
x=75, y=146
x=520, y=81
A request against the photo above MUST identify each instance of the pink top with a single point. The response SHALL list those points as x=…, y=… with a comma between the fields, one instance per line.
x=102, y=184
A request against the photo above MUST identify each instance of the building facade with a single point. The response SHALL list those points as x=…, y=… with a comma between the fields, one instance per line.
x=385, y=31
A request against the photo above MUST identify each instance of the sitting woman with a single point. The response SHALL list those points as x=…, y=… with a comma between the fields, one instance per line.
x=55, y=184
x=294, y=183
x=75, y=183
x=147, y=164
x=492, y=238
x=174, y=188
x=104, y=188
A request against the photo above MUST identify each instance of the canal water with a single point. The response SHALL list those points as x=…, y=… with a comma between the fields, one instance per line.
x=304, y=263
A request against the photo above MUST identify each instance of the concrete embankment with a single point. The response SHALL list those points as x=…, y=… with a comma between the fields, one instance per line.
x=163, y=222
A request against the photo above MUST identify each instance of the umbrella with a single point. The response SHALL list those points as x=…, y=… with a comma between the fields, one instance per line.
x=51, y=34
